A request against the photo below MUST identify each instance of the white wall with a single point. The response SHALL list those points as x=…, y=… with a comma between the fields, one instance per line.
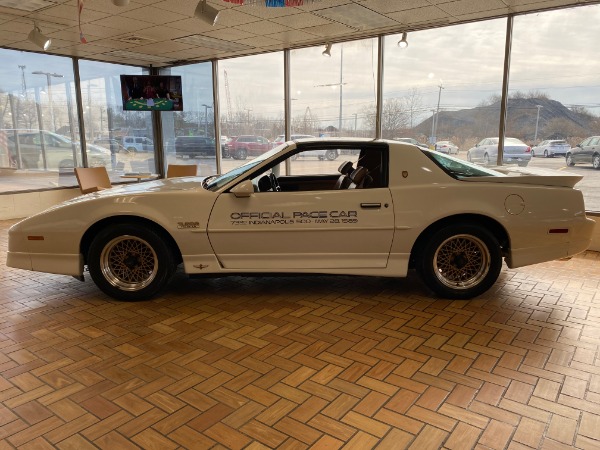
x=23, y=204
x=16, y=206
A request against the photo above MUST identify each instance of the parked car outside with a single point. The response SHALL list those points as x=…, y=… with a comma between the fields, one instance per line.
x=112, y=144
x=586, y=152
x=329, y=155
x=412, y=141
x=486, y=152
x=197, y=146
x=551, y=148
x=240, y=147
x=446, y=147
x=252, y=219
x=138, y=144
x=41, y=149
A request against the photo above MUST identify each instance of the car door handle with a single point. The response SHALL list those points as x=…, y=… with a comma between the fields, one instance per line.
x=370, y=205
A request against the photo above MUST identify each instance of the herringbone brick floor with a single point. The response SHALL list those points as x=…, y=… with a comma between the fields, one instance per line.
x=316, y=362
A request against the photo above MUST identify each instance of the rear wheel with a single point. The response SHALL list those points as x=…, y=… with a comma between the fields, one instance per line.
x=331, y=155
x=460, y=261
x=570, y=161
x=130, y=262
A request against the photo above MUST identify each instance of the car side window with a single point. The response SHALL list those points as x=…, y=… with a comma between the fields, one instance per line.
x=594, y=141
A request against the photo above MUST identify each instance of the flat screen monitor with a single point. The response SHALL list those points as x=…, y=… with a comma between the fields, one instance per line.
x=151, y=93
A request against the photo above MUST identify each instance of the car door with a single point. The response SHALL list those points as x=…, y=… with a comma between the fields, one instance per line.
x=314, y=229
x=578, y=153
x=591, y=149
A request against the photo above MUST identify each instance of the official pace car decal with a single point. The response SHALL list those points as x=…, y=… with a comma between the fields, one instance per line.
x=295, y=217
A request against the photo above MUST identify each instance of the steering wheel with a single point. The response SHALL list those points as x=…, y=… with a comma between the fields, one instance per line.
x=274, y=183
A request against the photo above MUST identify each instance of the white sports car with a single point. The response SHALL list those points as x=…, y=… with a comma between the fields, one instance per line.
x=391, y=207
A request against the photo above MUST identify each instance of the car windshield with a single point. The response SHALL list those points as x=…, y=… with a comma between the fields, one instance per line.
x=513, y=141
x=457, y=168
x=217, y=182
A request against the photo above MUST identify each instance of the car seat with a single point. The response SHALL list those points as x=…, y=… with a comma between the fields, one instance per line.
x=344, y=180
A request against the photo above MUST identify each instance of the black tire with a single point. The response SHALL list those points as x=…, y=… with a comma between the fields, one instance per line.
x=532, y=153
x=486, y=159
x=546, y=154
x=331, y=155
x=460, y=261
x=596, y=161
x=569, y=160
x=469, y=157
x=523, y=164
x=131, y=149
x=241, y=153
x=116, y=265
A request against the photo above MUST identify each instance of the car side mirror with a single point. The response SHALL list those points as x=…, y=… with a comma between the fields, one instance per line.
x=244, y=189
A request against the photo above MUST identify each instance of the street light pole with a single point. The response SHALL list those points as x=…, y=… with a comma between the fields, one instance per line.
x=537, y=121
x=49, y=84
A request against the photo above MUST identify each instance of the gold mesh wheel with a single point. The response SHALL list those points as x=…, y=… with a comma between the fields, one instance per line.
x=128, y=263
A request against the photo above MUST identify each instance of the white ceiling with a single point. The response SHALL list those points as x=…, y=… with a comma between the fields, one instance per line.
x=165, y=32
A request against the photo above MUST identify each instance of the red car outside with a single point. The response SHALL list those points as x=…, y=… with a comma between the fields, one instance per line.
x=241, y=147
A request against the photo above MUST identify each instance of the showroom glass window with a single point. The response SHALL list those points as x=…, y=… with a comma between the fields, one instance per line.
x=445, y=85
x=251, y=105
x=189, y=135
x=117, y=139
x=38, y=133
x=554, y=90
x=332, y=96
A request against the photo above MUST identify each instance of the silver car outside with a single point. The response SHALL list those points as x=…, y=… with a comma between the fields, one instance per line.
x=486, y=152
x=551, y=148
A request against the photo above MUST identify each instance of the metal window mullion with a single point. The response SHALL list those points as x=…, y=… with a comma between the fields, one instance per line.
x=80, y=119
x=157, y=134
x=216, y=114
x=379, y=101
x=287, y=104
x=505, y=78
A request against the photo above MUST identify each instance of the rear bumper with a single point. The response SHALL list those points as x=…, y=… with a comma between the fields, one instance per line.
x=576, y=241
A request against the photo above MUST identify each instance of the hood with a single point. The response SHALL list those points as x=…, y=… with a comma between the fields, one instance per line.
x=530, y=175
x=147, y=187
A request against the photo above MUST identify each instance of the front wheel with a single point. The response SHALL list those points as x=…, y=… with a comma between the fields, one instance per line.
x=460, y=261
x=331, y=155
x=130, y=262
x=486, y=159
x=596, y=161
x=570, y=161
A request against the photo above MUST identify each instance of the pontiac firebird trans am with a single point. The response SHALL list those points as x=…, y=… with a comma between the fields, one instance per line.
x=390, y=207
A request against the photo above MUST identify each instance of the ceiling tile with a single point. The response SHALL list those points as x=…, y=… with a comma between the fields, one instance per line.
x=356, y=16
x=303, y=20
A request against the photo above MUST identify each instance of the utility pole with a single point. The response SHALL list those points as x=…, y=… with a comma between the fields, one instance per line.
x=437, y=114
x=23, y=83
x=537, y=121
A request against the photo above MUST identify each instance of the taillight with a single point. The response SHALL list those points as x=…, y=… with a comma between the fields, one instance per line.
x=528, y=150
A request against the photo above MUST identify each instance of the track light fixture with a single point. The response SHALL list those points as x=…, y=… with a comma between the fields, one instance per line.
x=403, y=43
x=206, y=13
x=38, y=38
x=327, y=51
x=120, y=2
